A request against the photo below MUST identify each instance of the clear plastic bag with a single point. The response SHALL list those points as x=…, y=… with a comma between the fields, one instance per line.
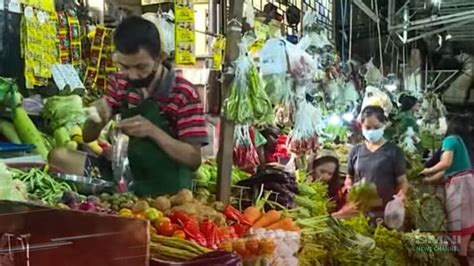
x=394, y=215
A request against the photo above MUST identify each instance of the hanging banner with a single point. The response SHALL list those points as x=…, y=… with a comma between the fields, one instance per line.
x=184, y=33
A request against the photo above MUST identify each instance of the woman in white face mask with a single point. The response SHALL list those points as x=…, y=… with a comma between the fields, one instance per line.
x=377, y=160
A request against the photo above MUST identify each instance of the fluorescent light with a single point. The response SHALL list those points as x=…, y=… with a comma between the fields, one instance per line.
x=348, y=117
x=391, y=87
x=449, y=36
x=334, y=120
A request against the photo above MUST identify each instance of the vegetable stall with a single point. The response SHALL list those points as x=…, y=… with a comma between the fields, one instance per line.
x=288, y=97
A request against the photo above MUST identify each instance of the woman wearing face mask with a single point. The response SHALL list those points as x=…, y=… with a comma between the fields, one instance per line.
x=377, y=160
x=324, y=167
x=454, y=169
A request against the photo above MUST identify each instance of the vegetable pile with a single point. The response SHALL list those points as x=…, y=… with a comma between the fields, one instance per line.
x=282, y=184
x=10, y=189
x=41, y=186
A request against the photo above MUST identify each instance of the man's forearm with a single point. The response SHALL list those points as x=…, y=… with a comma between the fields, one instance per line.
x=180, y=151
x=91, y=131
x=403, y=185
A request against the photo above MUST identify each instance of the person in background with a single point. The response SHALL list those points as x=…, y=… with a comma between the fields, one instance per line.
x=325, y=167
x=378, y=161
x=406, y=118
x=161, y=113
x=455, y=168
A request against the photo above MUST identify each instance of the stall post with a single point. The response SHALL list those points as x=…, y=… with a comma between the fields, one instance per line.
x=233, y=31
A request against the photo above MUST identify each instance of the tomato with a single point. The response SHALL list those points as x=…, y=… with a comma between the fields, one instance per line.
x=179, y=234
x=239, y=247
x=166, y=228
x=267, y=246
x=227, y=246
x=152, y=214
x=176, y=227
x=165, y=219
x=252, y=246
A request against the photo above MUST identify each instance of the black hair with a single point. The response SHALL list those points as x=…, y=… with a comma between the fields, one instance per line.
x=456, y=126
x=135, y=33
x=375, y=111
x=407, y=102
x=334, y=184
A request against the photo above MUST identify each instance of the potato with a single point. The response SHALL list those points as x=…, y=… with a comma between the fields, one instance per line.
x=183, y=196
x=162, y=203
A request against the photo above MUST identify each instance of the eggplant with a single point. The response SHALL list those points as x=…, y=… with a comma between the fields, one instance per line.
x=266, y=176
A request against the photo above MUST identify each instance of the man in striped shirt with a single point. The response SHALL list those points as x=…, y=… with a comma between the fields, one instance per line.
x=161, y=113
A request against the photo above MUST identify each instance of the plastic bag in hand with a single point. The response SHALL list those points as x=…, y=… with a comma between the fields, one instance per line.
x=394, y=213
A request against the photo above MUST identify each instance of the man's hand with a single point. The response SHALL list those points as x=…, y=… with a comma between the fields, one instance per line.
x=137, y=126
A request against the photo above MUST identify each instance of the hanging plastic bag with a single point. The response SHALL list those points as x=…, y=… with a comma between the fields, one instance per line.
x=302, y=65
x=273, y=57
x=304, y=136
x=394, y=215
x=245, y=154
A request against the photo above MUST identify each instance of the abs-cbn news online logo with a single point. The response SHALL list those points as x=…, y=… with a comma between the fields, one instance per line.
x=437, y=242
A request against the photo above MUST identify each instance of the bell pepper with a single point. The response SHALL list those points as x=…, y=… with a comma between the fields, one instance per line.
x=193, y=233
x=210, y=232
x=235, y=215
x=240, y=229
x=179, y=217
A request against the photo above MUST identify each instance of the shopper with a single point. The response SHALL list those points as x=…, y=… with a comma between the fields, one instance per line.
x=161, y=112
x=378, y=161
x=455, y=167
x=325, y=167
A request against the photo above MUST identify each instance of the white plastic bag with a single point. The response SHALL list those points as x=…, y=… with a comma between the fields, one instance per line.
x=273, y=57
x=394, y=215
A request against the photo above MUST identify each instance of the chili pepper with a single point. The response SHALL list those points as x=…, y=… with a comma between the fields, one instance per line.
x=233, y=214
x=193, y=233
x=209, y=230
x=241, y=229
x=179, y=217
x=231, y=231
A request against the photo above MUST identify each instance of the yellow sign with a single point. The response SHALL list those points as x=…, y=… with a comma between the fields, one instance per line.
x=184, y=33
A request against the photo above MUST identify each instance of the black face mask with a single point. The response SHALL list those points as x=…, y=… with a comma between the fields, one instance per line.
x=144, y=82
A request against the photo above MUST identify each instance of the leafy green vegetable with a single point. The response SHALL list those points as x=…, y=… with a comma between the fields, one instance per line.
x=364, y=195
x=64, y=111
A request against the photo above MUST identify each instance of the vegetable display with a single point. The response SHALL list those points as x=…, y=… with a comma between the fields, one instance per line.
x=41, y=186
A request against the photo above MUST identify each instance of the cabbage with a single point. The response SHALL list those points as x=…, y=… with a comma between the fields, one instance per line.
x=64, y=111
x=10, y=189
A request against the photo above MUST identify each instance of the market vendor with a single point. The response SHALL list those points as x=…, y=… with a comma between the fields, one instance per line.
x=454, y=168
x=377, y=160
x=161, y=113
x=324, y=166
x=406, y=118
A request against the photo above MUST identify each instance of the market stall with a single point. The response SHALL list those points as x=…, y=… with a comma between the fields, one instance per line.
x=287, y=117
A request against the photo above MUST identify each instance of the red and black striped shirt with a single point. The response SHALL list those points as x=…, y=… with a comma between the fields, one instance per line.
x=178, y=100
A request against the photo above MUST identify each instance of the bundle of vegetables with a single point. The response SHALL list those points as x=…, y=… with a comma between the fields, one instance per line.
x=364, y=195
x=278, y=87
x=270, y=220
x=416, y=166
x=247, y=101
x=175, y=248
x=312, y=200
x=24, y=127
x=425, y=213
x=41, y=186
x=14, y=190
x=245, y=154
x=390, y=241
x=337, y=244
x=254, y=250
x=282, y=185
x=304, y=136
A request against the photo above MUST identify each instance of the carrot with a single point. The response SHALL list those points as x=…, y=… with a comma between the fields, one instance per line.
x=252, y=214
x=284, y=224
x=267, y=219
